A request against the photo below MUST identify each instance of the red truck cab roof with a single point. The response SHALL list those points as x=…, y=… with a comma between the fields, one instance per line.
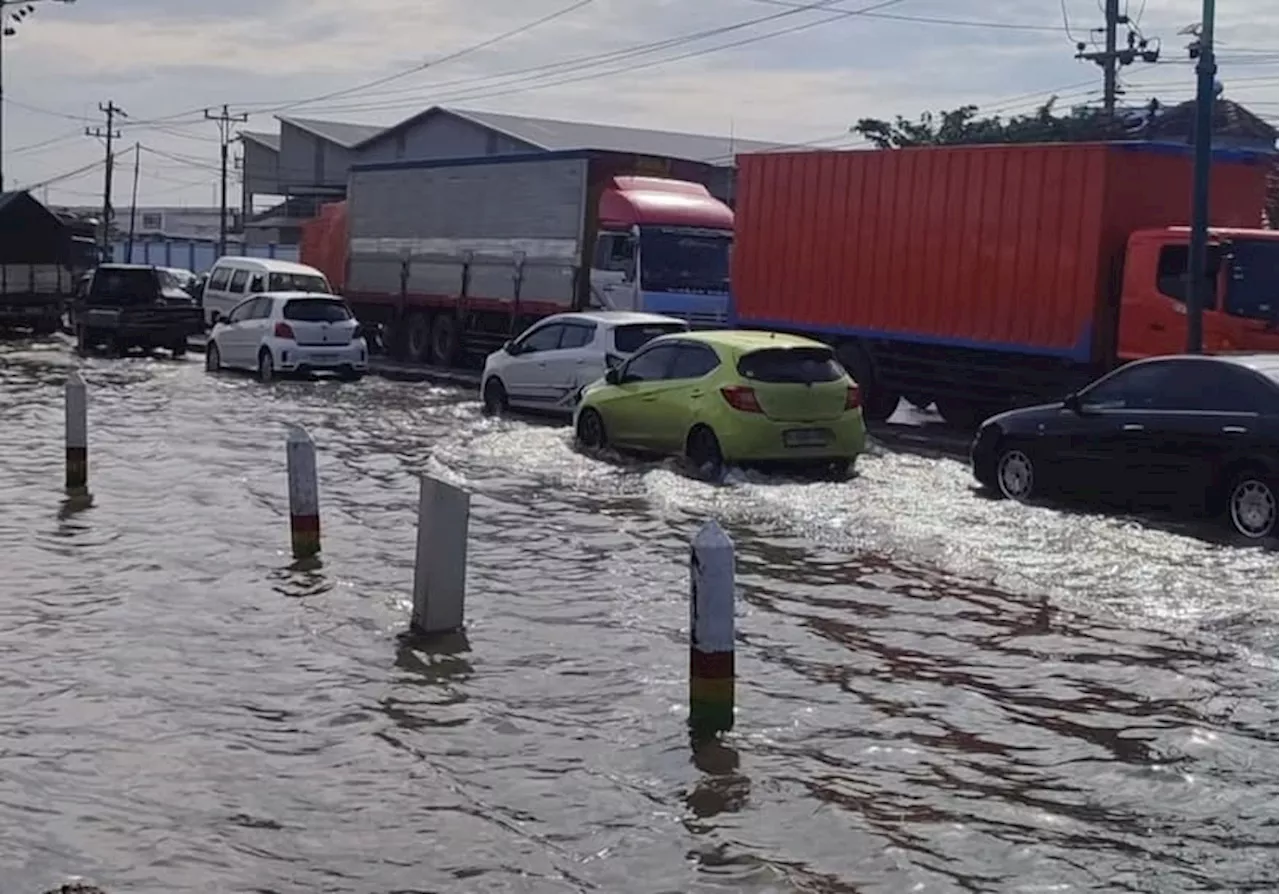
x=654, y=200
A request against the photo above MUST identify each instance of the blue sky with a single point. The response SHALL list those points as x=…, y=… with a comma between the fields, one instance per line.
x=162, y=60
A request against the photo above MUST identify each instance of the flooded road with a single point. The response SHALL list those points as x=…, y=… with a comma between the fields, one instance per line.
x=936, y=692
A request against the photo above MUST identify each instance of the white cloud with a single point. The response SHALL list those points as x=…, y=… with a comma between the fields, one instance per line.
x=155, y=58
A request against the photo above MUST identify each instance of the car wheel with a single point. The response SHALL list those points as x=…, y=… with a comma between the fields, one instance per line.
x=590, y=431
x=495, y=397
x=212, y=357
x=351, y=375
x=84, y=340
x=178, y=349
x=1015, y=473
x=837, y=470
x=266, y=367
x=702, y=449
x=1251, y=505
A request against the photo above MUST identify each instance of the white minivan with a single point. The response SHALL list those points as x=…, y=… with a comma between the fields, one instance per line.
x=233, y=279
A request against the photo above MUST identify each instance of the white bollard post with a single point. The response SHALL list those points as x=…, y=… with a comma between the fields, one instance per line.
x=711, y=609
x=77, y=436
x=440, y=565
x=304, y=493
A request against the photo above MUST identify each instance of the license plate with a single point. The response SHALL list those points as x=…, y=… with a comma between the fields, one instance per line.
x=324, y=358
x=806, y=437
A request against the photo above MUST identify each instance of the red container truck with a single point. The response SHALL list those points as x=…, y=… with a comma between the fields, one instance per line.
x=985, y=277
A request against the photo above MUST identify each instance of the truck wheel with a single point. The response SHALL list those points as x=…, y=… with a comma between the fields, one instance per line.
x=45, y=327
x=879, y=404
x=417, y=338
x=919, y=401
x=444, y=339
x=962, y=414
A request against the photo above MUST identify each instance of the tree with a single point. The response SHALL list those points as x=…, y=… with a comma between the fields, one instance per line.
x=963, y=126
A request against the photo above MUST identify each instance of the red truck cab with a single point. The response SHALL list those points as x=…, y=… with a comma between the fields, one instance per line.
x=1240, y=314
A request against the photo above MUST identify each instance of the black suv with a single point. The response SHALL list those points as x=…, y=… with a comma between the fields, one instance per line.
x=134, y=306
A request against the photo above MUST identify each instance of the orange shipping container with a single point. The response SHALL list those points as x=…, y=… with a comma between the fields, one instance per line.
x=1006, y=248
x=324, y=244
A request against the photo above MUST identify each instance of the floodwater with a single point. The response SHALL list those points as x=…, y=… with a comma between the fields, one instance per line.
x=937, y=692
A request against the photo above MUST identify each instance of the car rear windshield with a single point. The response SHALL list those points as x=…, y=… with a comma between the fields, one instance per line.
x=124, y=285
x=802, y=365
x=316, y=310
x=631, y=338
x=297, y=282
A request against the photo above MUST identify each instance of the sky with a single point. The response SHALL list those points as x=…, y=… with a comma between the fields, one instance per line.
x=769, y=71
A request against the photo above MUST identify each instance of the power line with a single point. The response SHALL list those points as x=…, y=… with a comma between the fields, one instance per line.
x=513, y=83
x=934, y=20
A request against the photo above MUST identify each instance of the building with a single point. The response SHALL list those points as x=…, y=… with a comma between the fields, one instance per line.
x=307, y=164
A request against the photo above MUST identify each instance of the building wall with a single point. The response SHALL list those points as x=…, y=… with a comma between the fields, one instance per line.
x=308, y=161
x=442, y=136
x=261, y=173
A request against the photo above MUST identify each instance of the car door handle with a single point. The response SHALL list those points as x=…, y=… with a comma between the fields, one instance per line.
x=649, y=398
x=695, y=394
x=1233, y=429
x=1133, y=426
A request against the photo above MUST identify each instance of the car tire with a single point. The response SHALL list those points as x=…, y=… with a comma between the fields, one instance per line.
x=837, y=470
x=1015, y=472
x=351, y=375
x=590, y=431
x=266, y=367
x=494, y=397
x=178, y=349
x=702, y=450
x=84, y=340
x=212, y=357
x=1251, y=505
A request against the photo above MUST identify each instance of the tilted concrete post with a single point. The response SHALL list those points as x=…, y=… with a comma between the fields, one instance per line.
x=440, y=564
x=304, y=493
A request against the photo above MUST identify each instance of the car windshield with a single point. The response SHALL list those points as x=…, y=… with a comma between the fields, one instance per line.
x=632, y=337
x=297, y=282
x=316, y=310
x=684, y=259
x=794, y=365
x=171, y=280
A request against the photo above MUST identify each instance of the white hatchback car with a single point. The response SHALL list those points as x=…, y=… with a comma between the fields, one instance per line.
x=289, y=332
x=547, y=367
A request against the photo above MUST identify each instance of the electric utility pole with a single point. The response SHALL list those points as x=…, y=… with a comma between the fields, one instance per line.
x=133, y=205
x=111, y=110
x=1110, y=59
x=1199, y=288
x=225, y=119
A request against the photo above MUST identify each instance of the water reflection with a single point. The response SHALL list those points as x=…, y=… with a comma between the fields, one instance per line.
x=721, y=788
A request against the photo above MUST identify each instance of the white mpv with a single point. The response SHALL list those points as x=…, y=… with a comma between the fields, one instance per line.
x=289, y=332
x=546, y=368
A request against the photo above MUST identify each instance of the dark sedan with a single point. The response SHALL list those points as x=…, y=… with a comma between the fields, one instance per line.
x=1179, y=431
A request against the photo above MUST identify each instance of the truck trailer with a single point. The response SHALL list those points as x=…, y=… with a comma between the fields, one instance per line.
x=980, y=278
x=39, y=268
x=453, y=257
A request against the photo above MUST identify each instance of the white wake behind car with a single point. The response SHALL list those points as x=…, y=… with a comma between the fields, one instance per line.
x=289, y=332
x=555, y=358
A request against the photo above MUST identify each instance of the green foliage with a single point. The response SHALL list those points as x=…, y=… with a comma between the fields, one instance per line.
x=963, y=126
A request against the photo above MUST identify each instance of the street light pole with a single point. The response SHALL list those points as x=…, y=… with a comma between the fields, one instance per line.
x=1199, y=291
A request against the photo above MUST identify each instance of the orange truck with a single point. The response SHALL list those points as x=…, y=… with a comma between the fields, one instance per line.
x=979, y=278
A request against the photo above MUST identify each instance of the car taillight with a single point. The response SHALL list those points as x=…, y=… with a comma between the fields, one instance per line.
x=284, y=330
x=853, y=398
x=740, y=397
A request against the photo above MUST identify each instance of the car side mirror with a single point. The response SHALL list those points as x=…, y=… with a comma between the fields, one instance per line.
x=216, y=318
x=1071, y=402
x=613, y=376
x=510, y=347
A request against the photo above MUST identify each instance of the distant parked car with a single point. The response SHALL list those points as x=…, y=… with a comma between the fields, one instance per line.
x=549, y=364
x=1165, y=431
x=293, y=332
x=721, y=397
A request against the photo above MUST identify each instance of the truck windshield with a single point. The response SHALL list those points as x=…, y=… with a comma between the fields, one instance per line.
x=1253, y=288
x=684, y=259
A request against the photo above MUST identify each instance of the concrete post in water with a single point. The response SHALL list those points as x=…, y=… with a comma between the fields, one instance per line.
x=440, y=565
x=304, y=493
x=711, y=607
x=77, y=436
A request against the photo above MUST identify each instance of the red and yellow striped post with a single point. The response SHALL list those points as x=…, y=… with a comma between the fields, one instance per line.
x=304, y=493
x=77, y=436
x=711, y=609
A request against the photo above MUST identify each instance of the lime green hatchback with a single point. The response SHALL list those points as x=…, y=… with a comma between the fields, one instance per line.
x=728, y=396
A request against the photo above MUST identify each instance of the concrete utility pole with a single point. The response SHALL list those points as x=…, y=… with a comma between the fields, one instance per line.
x=133, y=205
x=225, y=119
x=1110, y=59
x=111, y=110
x=1199, y=290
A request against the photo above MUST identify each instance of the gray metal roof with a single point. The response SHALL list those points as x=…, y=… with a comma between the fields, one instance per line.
x=345, y=135
x=270, y=140
x=553, y=135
